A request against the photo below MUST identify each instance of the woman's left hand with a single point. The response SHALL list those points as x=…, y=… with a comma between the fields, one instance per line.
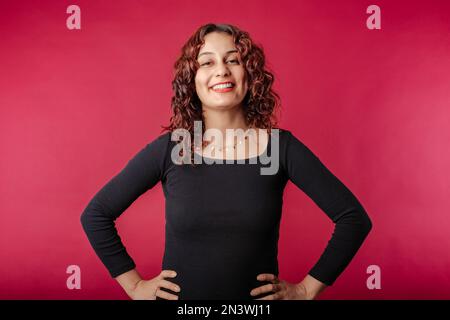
x=282, y=290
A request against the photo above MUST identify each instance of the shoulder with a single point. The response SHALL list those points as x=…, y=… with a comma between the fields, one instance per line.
x=155, y=150
x=281, y=136
x=291, y=148
x=281, y=132
x=159, y=144
x=161, y=139
x=287, y=139
x=152, y=159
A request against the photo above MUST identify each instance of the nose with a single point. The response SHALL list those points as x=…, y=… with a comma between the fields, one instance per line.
x=222, y=70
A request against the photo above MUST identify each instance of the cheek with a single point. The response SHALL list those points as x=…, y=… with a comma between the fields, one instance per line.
x=243, y=79
x=201, y=87
x=198, y=84
x=201, y=82
x=197, y=81
x=244, y=84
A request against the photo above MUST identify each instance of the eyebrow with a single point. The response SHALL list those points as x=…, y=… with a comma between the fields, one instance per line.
x=228, y=52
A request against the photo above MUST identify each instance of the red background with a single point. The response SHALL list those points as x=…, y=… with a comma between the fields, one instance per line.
x=76, y=105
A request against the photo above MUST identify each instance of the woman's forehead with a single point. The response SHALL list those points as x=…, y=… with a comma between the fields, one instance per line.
x=218, y=42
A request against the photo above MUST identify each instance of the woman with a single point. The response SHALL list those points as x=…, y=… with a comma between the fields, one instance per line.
x=222, y=220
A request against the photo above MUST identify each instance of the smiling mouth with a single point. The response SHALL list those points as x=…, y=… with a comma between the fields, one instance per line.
x=223, y=87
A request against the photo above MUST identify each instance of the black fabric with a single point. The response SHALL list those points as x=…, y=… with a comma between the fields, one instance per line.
x=222, y=220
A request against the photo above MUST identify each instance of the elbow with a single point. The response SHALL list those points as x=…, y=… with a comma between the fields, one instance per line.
x=94, y=217
x=88, y=216
x=366, y=224
x=84, y=219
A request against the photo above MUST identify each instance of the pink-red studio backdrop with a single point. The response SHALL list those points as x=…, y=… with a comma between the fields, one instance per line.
x=76, y=105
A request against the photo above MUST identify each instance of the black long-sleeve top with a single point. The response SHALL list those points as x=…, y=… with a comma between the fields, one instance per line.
x=222, y=220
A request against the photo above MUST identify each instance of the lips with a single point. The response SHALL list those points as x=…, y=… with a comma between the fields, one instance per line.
x=223, y=86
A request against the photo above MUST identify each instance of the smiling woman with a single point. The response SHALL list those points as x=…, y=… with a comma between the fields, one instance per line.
x=220, y=81
x=222, y=221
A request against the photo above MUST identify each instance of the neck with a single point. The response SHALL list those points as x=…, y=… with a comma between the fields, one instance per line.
x=225, y=119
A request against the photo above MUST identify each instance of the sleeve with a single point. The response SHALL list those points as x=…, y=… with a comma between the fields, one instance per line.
x=140, y=174
x=352, y=224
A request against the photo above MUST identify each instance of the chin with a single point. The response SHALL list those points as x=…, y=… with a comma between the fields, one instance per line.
x=221, y=106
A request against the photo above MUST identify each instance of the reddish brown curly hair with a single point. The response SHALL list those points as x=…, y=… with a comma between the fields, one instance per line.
x=261, y=101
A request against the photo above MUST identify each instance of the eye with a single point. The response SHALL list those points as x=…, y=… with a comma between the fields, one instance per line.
x=206, y=63
x=234, y=60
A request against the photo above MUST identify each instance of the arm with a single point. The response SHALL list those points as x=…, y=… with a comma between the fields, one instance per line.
x=141, y=173
x=352, y=223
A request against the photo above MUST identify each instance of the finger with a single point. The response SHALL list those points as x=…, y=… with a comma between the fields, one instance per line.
x=265, y=288
x=274, y=296
x=266, y=277
x=168, y=274
x=169, y=285
x=165, y=295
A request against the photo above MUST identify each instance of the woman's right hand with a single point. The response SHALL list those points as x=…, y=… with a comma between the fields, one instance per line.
x=150, y=289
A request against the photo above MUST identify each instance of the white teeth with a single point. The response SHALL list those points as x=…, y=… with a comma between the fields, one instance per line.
x=223, y=86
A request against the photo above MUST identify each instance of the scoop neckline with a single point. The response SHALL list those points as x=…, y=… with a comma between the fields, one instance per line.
x=243, y=159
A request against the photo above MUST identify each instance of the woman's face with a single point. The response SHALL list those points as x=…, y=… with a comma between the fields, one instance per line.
x=220, y=62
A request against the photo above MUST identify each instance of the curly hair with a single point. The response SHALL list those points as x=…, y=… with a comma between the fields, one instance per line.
x=260, y=102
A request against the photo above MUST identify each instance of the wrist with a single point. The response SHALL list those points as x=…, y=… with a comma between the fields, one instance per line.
x=131, y=291
x=311, y=287
x=133, y=288
x=306, y=292
x=129, y=281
